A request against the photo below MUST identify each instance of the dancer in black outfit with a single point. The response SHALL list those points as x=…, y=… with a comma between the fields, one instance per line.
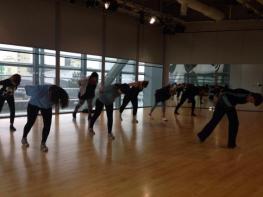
x=42, y=99
x=190, y=92
x=161, y=95
x=87, y=92
x=226, y=105
x=132, y=95
x=7, y=94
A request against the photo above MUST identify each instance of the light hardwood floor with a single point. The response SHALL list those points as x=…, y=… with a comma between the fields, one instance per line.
x=151, y=158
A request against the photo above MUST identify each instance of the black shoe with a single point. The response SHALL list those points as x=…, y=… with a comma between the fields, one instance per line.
x=12, y=128
x=232, y=146
x=176, y=112
x=193, y=114
x=74, y=115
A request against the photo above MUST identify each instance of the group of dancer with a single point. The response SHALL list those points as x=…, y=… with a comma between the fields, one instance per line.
x=43, y=97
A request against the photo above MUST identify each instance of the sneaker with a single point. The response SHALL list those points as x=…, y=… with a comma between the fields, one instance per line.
x=91, y=131
x=231, y=146
x=198, y=140
x=176, y=112
x=135, y=121
x=43, y=148
x=74, y=115
x=164, y=119
x=25, y=142
x=12, y=128
x=111, y=136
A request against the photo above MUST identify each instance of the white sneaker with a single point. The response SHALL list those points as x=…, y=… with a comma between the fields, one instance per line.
x=43, y=148
x=25, y=142
x=164, y=119
x=111, y=136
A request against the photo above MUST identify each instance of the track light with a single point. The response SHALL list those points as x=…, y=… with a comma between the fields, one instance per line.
x=106, y=5
x=152, y=20
x=111, y=5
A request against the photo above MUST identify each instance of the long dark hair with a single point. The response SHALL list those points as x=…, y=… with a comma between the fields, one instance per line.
x=16, y=78
x=58, y=96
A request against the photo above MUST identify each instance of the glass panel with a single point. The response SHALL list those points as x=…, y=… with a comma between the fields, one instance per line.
x=69, y=81
x=153, y=74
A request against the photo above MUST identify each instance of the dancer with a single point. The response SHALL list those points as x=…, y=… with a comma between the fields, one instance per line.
x=190, y=92
x=161, y=95
x=42, y=99
x=86, y=92
x=7, y=94
x=132, y=95
x=106, y=98
x=226, y=105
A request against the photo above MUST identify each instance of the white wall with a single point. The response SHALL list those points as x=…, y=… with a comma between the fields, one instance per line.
x=27, y=22
x=225, y=42
x=32, y=23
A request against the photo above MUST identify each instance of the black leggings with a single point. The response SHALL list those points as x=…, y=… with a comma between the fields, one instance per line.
x=98, y=110
x=32, y=112
x=126, y=100
x=11, y=103
x=183, y=99
x=217, y=116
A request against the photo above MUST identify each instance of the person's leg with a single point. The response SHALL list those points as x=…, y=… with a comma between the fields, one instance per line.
x=98, y=110
x=32, y=112
x=182, y=100
x=154, y=106
x=134, y=108
x=210, y=126
x=11, y=103
x=163, y=111
x=2, y=101
x=89, y=102
x=47, y=119
x=109, y=111
x=80, y=103
x=125, y=102
x=192, y=99
x=232, y=128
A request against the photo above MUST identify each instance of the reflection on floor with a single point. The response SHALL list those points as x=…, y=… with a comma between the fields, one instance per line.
x=151, y=158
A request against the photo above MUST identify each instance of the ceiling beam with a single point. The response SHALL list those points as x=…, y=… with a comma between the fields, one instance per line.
x=260, y=1
x=246, y=4
x=139, y=8
x=204, y=9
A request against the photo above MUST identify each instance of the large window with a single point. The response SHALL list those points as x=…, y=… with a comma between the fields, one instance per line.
x=38, y=66
x=16, y=59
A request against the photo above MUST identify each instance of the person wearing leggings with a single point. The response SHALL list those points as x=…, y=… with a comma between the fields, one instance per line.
x=86, y=92
x=161, y=95
x=132, y=96
x=7, y=94
x=42, y=99
x=226, y=105
x=190, y=92
x=106, y=98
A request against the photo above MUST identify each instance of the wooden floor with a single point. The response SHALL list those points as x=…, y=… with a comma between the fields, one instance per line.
x=149, y=159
